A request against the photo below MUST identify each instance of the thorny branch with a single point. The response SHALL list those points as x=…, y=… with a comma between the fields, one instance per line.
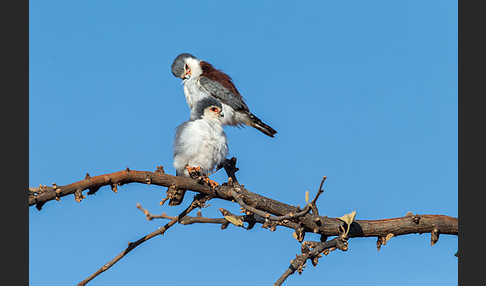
x=257, y=209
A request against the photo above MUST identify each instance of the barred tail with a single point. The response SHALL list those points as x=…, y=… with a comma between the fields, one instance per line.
x=258, y=124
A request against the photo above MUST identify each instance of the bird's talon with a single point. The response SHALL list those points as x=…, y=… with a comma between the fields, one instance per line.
x=212, y=183
x=194, y=172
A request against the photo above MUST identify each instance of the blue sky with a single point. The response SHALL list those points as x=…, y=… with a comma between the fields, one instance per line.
x=364, y=92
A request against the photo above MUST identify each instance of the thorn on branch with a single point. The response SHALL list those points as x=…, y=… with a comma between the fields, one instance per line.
x=224, y=225
x=299, y=234
x=39, y=205
x=87, y=177
x=382, y=240
x=78, y=195
x=379, y=242
x=251, y=221
x=57, y=191
x=434, y=236
x=342, y=244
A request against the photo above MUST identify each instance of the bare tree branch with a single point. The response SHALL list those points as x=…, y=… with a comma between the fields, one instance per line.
x=329, y=226
x=258, y=209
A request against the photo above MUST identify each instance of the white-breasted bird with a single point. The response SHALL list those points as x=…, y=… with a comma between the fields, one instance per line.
x=200, y=144
x=202, y=80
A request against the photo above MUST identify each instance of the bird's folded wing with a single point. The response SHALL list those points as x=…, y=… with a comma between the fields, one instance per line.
x=225, y=95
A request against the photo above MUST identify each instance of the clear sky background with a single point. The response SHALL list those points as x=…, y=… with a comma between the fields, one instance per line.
x=364, y=92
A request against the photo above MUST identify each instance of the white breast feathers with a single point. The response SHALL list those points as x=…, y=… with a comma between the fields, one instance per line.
x=199, y=143
x=193, y=93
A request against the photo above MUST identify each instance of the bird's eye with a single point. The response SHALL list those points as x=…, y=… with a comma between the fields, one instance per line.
x=214, y=109
x=186, y=67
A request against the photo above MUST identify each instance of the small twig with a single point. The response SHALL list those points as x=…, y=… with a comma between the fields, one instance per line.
x=191, y=219
x=251, y=209
x=133, y=245
x=288, y=216
x=186, y=220
x=150, y=216
x=310, y=206
x=315, y=211
x=298, y=263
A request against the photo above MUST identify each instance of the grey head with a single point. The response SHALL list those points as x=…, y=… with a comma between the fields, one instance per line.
x=208, y=106
x=178, y=64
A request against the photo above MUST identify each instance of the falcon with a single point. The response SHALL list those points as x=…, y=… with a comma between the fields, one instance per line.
x=202, y=80
x=200, y=144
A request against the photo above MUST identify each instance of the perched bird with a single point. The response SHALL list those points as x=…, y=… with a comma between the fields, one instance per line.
x=200, y=144
x=202, y=80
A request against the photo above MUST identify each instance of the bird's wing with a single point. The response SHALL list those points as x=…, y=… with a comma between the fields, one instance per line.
x=228, y=96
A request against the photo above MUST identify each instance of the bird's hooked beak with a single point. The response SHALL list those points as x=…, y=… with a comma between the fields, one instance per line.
x=187, y=74
x=221, y=114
